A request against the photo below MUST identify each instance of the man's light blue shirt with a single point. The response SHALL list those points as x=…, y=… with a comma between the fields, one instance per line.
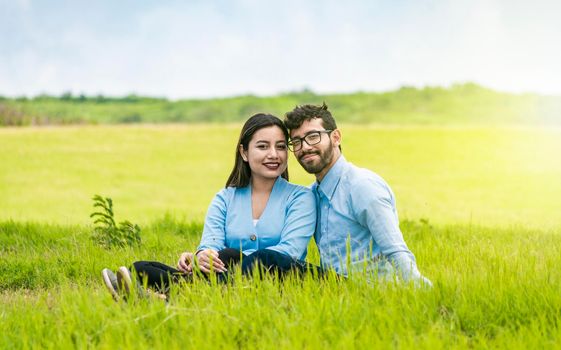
x=357, y=222
x=286, y=225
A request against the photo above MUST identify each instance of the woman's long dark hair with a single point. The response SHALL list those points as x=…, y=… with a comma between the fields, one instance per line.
x=241, y=174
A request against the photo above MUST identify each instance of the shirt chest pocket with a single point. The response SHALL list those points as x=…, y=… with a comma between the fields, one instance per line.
x=337, y=227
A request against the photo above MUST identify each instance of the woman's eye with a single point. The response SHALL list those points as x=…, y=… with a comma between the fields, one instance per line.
x=261, y=146
x=281, y=147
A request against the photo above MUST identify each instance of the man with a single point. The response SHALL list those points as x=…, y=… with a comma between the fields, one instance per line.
x=357, y=226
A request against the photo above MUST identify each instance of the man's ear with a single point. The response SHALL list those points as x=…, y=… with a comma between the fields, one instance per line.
x=336, y=137
x=243, y=153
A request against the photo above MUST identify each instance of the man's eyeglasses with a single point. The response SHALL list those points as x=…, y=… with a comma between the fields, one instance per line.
x=311, y=138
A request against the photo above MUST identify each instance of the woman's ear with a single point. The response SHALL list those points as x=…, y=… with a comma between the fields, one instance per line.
x=243, y=153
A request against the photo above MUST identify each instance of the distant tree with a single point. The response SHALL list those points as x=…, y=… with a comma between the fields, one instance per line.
x=132, y=98
x=10, y=116
x=100, y=99
x=67, y=96
x=43, y=97
x=304, y=92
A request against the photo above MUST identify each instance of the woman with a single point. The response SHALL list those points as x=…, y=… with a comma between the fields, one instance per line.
x=258, y=214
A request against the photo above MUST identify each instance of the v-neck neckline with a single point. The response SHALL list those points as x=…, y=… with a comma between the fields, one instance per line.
x=266, y=210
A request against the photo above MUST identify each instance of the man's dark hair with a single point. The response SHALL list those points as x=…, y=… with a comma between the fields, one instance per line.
x=300, y=114
x=241, y=173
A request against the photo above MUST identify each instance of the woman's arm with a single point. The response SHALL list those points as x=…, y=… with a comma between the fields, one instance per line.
x=213, y=238
x=300, y=223
x=214, y=231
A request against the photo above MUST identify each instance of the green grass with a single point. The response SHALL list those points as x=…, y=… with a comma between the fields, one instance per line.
x=490, y=245
x=450, y=175
x=492, y=288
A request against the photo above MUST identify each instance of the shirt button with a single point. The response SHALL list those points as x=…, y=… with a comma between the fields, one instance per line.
x=253, y=237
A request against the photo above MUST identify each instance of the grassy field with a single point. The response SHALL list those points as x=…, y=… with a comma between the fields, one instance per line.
x=493, y=288
x=490, y=245
x=449, y=175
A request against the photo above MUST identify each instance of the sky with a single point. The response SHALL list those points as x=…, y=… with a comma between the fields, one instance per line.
x=204, y=49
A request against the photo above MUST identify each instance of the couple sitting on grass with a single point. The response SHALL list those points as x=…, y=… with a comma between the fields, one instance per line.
x=264, y=223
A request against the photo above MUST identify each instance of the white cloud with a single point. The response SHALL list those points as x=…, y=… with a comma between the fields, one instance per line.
x=199, y=49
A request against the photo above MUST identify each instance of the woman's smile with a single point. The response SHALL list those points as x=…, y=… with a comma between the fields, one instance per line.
x=272, y=165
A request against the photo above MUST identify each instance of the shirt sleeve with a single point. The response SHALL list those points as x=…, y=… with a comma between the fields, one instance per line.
x=300, y=224
x=374, y=207
x=214, y=231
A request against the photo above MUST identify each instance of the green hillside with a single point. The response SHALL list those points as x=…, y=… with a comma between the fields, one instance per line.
x=460, y=104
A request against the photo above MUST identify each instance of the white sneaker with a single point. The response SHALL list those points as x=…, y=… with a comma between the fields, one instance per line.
x=111, y=283
x=124, y=281
x=126, y=287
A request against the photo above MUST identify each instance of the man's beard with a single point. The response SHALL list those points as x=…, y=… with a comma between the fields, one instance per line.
x=324, y=160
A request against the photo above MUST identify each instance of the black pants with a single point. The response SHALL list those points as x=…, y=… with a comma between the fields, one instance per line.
x=270, y=261
x=160, y=276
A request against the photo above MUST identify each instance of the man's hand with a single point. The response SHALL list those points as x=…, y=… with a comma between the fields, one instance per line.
x=424, y=282
x=208, y=261
x=185, y=263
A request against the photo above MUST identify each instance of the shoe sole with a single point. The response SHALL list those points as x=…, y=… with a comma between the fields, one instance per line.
x=109, y=285
x=124, y=279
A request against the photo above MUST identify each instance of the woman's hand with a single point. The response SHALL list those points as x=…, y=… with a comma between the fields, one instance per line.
x=208, y=258
x=185, y=263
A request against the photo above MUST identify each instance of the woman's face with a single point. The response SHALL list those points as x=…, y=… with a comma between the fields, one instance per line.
x=266, y=153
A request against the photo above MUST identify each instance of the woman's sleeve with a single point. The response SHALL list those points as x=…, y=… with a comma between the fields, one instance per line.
x=300, y=224
x=214, y=232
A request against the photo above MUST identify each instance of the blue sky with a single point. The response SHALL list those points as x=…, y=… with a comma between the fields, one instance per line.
x=180, y=49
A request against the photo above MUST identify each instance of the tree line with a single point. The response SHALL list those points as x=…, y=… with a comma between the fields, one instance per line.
x=458, y=104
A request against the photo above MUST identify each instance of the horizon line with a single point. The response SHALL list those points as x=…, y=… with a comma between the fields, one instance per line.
x=71, y=95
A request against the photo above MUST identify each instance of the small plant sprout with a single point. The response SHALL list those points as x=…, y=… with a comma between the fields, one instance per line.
x=106, y=232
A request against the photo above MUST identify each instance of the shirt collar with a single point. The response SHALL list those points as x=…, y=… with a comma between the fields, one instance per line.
x=331, y=179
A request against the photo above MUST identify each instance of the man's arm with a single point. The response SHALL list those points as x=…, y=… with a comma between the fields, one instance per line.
x=374, y=207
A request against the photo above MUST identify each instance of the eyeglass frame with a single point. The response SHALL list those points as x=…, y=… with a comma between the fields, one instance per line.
x=303, y=139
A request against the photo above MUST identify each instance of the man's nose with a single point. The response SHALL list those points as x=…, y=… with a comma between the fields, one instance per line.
x=305, y=146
